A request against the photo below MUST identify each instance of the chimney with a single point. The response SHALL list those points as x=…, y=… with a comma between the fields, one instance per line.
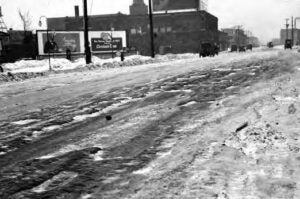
x=76, y=11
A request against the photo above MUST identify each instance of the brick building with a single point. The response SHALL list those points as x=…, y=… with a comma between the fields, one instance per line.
x=178, y=31
x=236, y=36
x=284, y=36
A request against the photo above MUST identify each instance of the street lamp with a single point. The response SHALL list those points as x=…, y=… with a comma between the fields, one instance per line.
x=40, y=25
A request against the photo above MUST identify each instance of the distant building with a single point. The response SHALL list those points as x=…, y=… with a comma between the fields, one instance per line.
x=276, y=41
x=16, y=44
x=288, y=35
x=178, y=31
x=236, y=36
x=138, y=7
x=224, y=39
x=254, y=41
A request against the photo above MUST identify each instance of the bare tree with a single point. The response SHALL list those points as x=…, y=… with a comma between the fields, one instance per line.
x=26, y=19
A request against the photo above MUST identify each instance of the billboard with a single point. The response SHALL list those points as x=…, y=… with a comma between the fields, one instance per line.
x=161, y=5
x=102, y=45
x=57, y=42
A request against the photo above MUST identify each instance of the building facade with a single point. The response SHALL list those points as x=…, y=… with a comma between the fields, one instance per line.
x=180, y=32
x=236, y=36
x=287, y=34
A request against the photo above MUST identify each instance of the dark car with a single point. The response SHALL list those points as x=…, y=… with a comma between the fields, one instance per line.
x=249, y=47
x=242, y=49
x=288, y=44
x=208, y=49
x=233, y=48
x=270, y=45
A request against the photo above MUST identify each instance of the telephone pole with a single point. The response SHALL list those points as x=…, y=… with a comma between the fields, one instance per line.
x=287, y=28
x=151, y=29
x=292, y=30
x=88, y=57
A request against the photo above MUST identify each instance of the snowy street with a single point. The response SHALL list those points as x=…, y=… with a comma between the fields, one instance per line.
x=224, y=127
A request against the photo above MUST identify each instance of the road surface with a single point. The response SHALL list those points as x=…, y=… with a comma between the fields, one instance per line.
x=223, y=127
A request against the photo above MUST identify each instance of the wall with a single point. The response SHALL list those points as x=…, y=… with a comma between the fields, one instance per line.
x=182, y=31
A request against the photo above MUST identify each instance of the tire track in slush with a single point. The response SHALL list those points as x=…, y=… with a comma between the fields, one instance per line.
x=76, y=173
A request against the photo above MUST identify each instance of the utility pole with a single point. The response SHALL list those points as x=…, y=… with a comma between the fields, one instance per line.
x=238, y=36
x=287, y=28
x=292, y=31
x=151, y=29
x=86, y=34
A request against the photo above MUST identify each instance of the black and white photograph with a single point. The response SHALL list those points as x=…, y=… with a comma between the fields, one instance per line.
x=149, y=99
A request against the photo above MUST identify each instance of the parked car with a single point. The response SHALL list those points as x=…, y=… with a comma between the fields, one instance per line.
x=208, y=49
x=242, y=49
x=249, y=47
x=270, y=45
x=233, y=48
x=288, y=44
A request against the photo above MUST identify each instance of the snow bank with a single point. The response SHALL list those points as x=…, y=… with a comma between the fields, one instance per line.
x=61, y=64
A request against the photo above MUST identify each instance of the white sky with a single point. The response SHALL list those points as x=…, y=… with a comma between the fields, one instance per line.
x=264, y=18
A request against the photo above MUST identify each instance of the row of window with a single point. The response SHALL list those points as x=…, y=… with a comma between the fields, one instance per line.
x=138, y=30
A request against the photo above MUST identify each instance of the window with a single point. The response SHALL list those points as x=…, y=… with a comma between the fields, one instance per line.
x=133, y=31
x=163, y=29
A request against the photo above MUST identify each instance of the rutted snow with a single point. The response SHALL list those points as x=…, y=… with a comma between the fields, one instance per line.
x=177, y=91
x=80, y=118
x=143, y=171
x=59, y=180
x=86, y=196
x=24, y=122
x=98, y=156
x=62, y=151
x=189, y=104
x=285, y=99
x=51, y=128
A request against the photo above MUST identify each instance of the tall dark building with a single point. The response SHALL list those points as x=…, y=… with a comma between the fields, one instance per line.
x=138, y=7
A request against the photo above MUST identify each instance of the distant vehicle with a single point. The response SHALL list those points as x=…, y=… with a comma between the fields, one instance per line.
x=242, y=49
x=288, y=44
x=233, y=48
x=249, y=47
x=208, y=49
x=270, y=45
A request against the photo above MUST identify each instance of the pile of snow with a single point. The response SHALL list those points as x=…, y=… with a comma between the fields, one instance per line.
x=59, y=64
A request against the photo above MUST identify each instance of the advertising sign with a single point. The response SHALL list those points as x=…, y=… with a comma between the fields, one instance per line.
x=58, y=42
x=161, y=5
x=100, y=44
